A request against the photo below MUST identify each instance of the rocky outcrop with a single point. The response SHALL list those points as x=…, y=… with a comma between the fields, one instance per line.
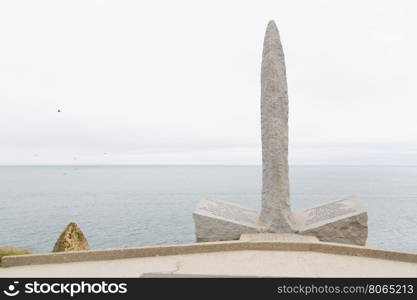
x=71, y=239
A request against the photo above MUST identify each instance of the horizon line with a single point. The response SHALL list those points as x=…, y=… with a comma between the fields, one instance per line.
x=201, y=165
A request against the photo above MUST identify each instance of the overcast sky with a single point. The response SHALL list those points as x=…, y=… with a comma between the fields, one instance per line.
x=178, y=82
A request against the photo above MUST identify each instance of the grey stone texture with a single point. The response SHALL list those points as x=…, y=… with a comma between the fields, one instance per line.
x=221, y=221
x=343, y=221
x=276, y=213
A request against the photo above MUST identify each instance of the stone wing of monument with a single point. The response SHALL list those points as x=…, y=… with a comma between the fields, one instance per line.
x=341, y=221
x=221, y=221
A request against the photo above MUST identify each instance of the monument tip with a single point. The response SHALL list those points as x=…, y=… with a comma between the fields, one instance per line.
x=271, y=26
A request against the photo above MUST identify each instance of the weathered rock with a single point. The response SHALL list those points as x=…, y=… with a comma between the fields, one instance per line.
x=276, y=213
x=343, y=221
x=71, y=239
x=221, y=221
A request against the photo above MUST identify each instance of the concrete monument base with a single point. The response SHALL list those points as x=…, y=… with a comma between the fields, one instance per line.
x=341, y=221
x=277, y=237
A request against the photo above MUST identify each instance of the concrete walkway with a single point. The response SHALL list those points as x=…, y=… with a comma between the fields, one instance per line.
x=254, y=255
x=232, y=263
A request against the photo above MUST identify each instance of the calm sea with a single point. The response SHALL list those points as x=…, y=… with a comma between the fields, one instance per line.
x=121, y=206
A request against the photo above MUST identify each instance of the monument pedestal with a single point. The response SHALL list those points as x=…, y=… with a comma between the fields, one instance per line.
x=278, y=237
x=341, y=221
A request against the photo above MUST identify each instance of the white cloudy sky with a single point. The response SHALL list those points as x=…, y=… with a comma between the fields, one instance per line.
x=177, y=82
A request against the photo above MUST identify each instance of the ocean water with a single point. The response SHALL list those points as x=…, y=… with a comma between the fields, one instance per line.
x=124, y=206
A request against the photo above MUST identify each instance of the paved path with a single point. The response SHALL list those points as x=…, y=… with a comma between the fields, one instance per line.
x=229, y=263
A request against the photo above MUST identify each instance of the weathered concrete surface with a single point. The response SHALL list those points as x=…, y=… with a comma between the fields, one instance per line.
x=276, y=213
x=71, y=239
x=126, y=253
x=343, y=221
x=221, y=221
x=277, y=237
x=251, y=263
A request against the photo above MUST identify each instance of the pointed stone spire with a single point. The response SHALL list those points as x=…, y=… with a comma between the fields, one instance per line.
x=71, y=239
x=276, y=215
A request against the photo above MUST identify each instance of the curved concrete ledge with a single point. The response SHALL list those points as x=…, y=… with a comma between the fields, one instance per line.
x=152, y=251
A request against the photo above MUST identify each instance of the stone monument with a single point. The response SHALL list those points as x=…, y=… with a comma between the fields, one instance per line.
x=341, y=221
x=275, y=214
